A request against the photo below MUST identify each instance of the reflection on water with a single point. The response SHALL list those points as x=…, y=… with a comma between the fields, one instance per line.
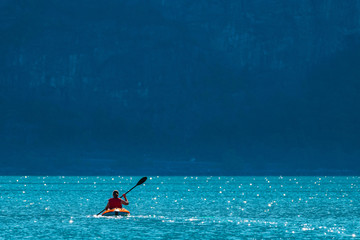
x=181, y=207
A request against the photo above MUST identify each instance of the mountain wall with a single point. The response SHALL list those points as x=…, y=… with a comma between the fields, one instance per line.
x=218, y=87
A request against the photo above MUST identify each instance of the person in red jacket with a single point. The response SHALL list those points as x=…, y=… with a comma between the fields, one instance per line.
x=116, y=202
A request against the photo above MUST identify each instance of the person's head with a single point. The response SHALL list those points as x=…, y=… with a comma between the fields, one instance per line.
x=116, y=194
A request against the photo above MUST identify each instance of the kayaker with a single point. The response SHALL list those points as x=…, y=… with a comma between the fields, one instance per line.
x=116, y=202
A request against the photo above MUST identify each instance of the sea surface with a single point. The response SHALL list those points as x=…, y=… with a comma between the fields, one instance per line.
x=63, y=207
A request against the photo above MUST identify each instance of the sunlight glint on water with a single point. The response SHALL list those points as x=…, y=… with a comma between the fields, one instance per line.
x=177, y=207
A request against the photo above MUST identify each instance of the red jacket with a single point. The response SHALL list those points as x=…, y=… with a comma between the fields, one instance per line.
x=115, y=203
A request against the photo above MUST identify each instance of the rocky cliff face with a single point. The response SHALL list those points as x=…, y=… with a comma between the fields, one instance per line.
x=250, y=84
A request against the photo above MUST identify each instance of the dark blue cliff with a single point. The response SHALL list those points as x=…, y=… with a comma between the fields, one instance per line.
x=179, y=87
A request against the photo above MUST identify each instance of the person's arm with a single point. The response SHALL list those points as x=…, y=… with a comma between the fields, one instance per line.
x=107, y=206
x=126, y=202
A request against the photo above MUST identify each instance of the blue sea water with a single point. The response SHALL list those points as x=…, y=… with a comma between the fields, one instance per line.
x=260, y=207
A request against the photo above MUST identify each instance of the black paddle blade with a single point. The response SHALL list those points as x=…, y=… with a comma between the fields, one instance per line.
x=141, y=181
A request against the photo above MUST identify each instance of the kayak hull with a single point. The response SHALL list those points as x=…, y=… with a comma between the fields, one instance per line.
x=116, y=212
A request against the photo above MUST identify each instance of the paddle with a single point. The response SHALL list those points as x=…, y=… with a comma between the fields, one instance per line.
x=141, y=181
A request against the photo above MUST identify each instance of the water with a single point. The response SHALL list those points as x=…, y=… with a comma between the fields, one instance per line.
x=181, y=208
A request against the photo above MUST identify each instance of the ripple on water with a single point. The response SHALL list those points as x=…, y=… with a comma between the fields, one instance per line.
x=182, y=207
